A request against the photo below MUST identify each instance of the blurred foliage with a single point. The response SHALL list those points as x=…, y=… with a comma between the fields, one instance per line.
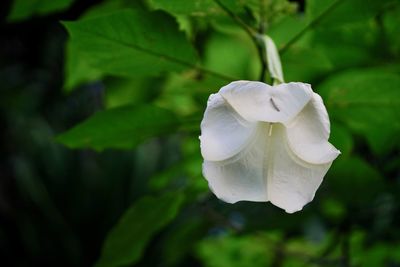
x=23, y=9
x=125, y=83
x=126, y=241
x=117, y=126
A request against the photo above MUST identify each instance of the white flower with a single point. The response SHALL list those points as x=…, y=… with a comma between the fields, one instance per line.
x=266, y=143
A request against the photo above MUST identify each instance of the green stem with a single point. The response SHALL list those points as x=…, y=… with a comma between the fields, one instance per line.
x=309, y=26
x=261, y=45
x=255, y=37
x=237, y=19
x=264, y=63
x=213, y=73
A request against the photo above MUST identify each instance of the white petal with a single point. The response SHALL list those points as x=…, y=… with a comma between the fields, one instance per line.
x=224, y=133
x=308, y=133
x=257, y=101
x=242, y=176
x=291, y=182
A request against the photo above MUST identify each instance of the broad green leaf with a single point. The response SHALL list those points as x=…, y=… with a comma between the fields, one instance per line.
x=108, y=7
x=391, y=21
x=201, y=8
x=297, y=65
x=132, y=43
x=349, y=23
x=178, y=93
x=77, y=69
x=341, y=139
x=368, y=102
x=126, y=242
x=346, y=55
x=23, y=9
x=283, y=30
x=344, y=11
x=352, y=174
x=122, y=127
x=357, y=43
x=125, y=91
x=233, y=55
x=212, y=12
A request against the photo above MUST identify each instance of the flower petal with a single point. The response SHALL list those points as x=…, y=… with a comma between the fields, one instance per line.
x=291, y=182
x=257, y=101
x=274, y=61
x=224, y=133
x=308, y=133
x=242, y=176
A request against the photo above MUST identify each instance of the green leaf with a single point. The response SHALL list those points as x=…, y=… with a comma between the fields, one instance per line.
x=201, y=8
x=23, y=9
x=122, y=127
x=297, y=65
x=368, y=102
x=341, y=139
x=352, y=174
x=123, y=91
x=350, y=23
x=234, y=55
x=284, y=30
x=77, y=69
x=357, y=43
x=132, y=43
x=213, y=13
x=126, y=242
x=346, y=11
x=391, y=20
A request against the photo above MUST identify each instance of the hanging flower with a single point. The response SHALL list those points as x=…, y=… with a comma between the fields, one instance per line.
x=266, y=143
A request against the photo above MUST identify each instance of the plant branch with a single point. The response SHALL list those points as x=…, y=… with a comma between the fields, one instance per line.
x=261, y=45
x=309, y=26
x=264, y=63
x=237, y=19
x=254, y=35
x=214, y=73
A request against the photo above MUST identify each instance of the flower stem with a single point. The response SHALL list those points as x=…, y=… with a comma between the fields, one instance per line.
x=263, y=60
x=254, y=35
x=260, y=43
x=237, y=19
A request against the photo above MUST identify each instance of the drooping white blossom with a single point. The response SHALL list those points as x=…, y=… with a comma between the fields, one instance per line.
x=266, y=143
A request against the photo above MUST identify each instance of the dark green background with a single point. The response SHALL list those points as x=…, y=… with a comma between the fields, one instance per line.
x=100, y=107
